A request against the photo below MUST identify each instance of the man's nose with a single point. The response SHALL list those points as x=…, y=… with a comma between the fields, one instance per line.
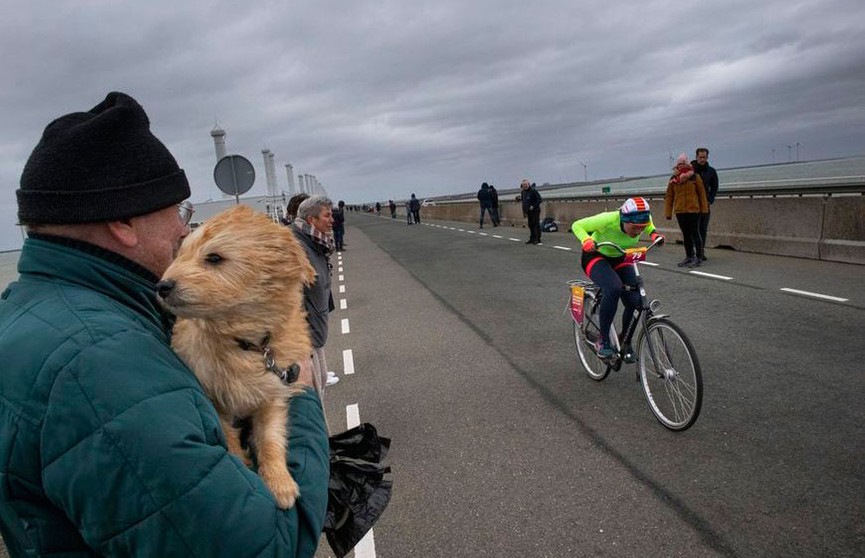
x=164, y=288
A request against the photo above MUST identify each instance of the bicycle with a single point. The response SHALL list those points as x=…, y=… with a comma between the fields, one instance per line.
x=668, y=368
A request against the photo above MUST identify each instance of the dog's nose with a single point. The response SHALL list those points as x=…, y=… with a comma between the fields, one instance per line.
x=164, y=288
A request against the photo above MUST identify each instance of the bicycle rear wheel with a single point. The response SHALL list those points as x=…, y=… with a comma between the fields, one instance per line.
x=585, y=337
x=670, y=375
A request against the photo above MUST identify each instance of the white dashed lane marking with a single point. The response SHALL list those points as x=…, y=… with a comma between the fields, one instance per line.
x=342, y=304
x=815, y=295
x=711, y=275
x=347, y=362
x=345, y=328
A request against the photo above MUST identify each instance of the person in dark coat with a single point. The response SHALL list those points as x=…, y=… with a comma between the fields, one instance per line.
x=531, y=201
x=414, y=206
x=339, y=225
x=110, y=446
x=314, y=229
x=709, y=176
x=485, y=199
x=494, y=206
x=392, y=205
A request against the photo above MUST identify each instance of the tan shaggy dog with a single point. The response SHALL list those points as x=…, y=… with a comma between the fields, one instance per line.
x=236, y=287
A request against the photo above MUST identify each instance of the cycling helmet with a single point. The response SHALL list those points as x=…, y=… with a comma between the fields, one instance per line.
x=635, y=210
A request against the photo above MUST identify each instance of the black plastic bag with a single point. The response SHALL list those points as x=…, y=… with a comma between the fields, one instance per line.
x=357, y=491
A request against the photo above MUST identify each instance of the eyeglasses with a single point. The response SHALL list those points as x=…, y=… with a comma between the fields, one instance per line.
x=184, y=212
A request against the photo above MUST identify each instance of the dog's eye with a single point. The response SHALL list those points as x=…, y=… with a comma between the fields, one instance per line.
x=213, y=258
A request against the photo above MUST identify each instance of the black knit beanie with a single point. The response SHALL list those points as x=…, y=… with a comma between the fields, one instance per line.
x=97, y=166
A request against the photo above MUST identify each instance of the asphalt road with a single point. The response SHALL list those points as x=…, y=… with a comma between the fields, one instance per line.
x=502, y=446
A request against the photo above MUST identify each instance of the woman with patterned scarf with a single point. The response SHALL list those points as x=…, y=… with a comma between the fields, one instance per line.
x=313, y=227
x=686, y=196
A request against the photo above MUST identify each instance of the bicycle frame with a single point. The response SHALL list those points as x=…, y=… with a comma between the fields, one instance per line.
x=645, y=311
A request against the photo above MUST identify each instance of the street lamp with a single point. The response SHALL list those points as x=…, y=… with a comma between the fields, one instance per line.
x=585, y=171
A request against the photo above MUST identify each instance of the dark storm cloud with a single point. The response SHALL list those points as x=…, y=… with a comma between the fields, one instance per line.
x=379, y=99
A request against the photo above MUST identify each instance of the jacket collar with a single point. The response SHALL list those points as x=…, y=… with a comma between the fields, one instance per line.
x=74, y=262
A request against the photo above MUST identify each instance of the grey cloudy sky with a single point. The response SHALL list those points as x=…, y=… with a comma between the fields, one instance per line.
x=382, y=98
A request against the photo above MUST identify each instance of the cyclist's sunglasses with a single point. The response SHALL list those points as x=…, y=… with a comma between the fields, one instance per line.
x=639, y=218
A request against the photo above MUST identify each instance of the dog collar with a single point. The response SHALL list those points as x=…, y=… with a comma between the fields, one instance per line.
x=288, y=375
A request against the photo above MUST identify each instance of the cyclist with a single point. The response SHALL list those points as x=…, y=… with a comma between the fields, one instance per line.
x=606, y=266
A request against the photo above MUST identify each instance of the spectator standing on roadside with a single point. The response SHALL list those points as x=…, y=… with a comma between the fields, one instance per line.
x=408, y=215
x=293, y=203
x=531, y=201
x=110, y=446
x=486, y=203
x=494, y=205
x=339, y=226
x=686, y=197
x=710, y=182
x=314, y=229
x=378, y=208
x=392, y=205
x=415, y=209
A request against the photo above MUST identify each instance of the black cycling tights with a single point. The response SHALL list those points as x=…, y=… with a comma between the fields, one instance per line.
x=610, y=274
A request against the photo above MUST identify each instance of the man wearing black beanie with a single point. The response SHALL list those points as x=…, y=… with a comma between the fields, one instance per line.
x=109, y=446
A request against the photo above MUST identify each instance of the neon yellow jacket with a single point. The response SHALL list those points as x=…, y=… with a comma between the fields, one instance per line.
x=607, y=227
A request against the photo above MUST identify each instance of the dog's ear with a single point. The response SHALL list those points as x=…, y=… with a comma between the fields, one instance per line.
x=295, y=256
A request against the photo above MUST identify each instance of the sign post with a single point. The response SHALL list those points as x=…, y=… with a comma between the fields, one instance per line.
x=234, y=175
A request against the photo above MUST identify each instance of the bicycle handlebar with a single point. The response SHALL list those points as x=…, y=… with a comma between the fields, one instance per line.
x=625, y=251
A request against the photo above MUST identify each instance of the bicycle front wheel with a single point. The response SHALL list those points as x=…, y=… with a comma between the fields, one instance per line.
x=585, y=337
x=670, y=375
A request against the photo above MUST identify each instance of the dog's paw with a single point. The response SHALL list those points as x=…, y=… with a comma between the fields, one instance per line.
x=285, y=491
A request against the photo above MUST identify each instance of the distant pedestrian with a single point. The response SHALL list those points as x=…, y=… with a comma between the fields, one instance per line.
x=392, y=205
x=686, y=197
x=408, y=214
x=377, y=208
x=710, y=182
x=415, y=209
x=339, y=225
x=531, y=201
x=494, y=205
x=486, y=203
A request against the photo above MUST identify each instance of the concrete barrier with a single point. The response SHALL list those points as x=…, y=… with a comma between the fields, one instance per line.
x=817, y=227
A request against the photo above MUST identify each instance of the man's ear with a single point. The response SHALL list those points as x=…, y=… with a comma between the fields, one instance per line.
x=123, y=232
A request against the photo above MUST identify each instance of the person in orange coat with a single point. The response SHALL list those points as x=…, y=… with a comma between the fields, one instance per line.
x=686, y=197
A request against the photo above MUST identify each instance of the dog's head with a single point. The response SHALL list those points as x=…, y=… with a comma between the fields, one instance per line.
x=239, y=264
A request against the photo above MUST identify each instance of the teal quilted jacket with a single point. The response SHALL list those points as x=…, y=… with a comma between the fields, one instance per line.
x=108, y=445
